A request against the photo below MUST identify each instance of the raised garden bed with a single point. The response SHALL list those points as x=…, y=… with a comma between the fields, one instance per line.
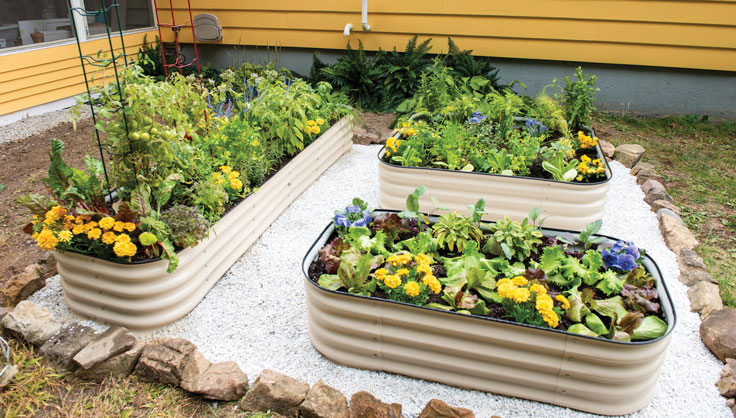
x=567, y=205
x=143, y=296
x=484, y=353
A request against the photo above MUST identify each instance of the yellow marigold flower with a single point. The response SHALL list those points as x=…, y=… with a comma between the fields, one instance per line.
x=56, y=213
x=236, y=184
x=579, y=178
x=405, y=258
x=410, y=132
x=108, y=237
x=78, y=229
x=124, y=249
x=585, y=159
x=90, y=226
x=79, y=220
x=395, y=260
x=107, y=223
x=402, y=272
x=505, y=288
x=392, y=281
x=225, y=169
x=65, y=236
x=94, y=233
x=435, y=287
x=562, y=299
x=521, y=295
x=314, y=129
x=404, y=124
x=47, y=240
x=35, y=219
x=538, y=289
x=424, y=268
x=311, y=123
x=233, y=175
x=119, y=226
x=380, y=274
x=412, y=289
x=320, y=121
x=551, y=319
x=122, y=238
x=34, y=235
x=129, y=226
x=544, y=303
x=423, y=259
x=520, y=280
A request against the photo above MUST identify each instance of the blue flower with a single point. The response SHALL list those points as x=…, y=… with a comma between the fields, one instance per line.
x=476, y=117
x=360, y=222
x=633, y=251
x=352, y=209
x=609, y=257
x=626, y=262
x=367, y=216
x=341, y=220
x=535, y=127
x=618, y=246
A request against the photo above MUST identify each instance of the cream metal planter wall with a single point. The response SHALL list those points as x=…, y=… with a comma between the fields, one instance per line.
x=567, y=205
x=557, y=367
x=143, y=296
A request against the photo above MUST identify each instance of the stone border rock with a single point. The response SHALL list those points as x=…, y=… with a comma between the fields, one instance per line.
x=75, y=348
x=718, y=329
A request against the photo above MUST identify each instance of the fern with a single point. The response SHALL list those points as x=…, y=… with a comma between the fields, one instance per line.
x=401, y=72
x=355, y=74
x=464, y=64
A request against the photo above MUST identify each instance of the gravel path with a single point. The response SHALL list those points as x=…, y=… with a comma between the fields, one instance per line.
x=256, y=314
x=35, y=124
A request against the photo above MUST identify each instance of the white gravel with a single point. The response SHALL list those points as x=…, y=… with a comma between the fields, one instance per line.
x=256, y=313
x=32, y=125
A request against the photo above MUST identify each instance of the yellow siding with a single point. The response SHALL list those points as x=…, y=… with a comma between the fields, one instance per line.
x=684, y=34
x=44, y=75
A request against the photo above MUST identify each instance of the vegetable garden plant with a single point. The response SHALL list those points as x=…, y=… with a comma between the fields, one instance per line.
x=179, y=156
x=584, y=284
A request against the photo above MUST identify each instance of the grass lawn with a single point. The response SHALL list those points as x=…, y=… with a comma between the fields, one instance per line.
x=695, y=157
x=39, y=391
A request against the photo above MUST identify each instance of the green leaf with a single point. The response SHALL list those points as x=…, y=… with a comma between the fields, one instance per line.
x=612, y=308
x=552, y=259
x=651, y=327
x=169, y=254
x=330, y=281
x=507, y=250
x=140, y=200
x=582, y=330
x=610, y=283
x=147, y=238
x=595, y=324
x=2, y=187
x=38, y=204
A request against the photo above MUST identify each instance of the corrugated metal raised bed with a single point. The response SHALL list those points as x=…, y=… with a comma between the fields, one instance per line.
x=482, y=353
x=143, y=296
x=567, y=205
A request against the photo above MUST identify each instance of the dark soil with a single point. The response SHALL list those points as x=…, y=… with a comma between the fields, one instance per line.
x=23, y=165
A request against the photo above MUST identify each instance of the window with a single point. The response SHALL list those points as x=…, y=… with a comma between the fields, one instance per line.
x=31, y=22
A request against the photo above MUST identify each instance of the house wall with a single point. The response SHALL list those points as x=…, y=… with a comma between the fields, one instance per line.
x=47, y=74
x=678, y=34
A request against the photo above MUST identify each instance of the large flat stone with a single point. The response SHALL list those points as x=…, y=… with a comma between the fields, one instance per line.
x=112, y=342
x=629, y=154
x=718, y=332
x=324, y=401
x=690, y=259
x=705, y=298
x=608, y=149
x=654, y=190
x=60, y=349
x=663, y=204
x=120, y=365
x=165, y=360
x=220, y=381
x=363, y=404
x=275, y=392
x=692, y=277
x=727, y=383
x=20, y=286
x=31, y=322
x=676, y=235
x=436, y=408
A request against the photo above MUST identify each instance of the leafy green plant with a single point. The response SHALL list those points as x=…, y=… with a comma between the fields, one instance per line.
x=400, y=72
x=560, y=168
x=578, y=96
x=512, y=240
x=355, y=73
x=464, y=64
x=355, y=278
x=455, y=230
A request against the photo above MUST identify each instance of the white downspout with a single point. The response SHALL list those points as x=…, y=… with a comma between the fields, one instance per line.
x=347, y=29
x=364, y=17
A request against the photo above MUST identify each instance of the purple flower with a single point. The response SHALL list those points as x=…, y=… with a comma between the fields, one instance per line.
x=352, y=209
x=367, y=216
x=618, y=246
x=476, y=117
x=626, y=262
x=633, y=251
x=535, y=127
x=341, y=220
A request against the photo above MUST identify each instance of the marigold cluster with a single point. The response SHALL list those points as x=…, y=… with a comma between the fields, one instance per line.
x=514, y=289
x=586, y=141
x=312, y=126
x=403, y=264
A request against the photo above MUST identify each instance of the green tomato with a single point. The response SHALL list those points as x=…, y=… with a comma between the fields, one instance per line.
x=135, y=136
x=154, y=131
x=145, y=136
